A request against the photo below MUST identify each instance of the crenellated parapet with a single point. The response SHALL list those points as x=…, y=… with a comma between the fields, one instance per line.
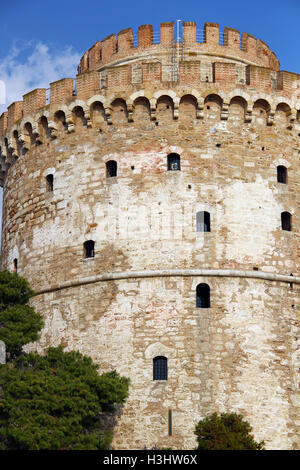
x=208, y=41
x=237, y=67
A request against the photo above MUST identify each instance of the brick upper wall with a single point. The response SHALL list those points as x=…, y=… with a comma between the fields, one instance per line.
x=114, y=65
x=230, y=43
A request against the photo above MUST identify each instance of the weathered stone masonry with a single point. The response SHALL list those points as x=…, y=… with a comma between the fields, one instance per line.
x=233, y=117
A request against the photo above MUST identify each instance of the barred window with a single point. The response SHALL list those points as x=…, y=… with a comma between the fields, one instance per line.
x=160, y=368
x=202, y=296
x=203, y=221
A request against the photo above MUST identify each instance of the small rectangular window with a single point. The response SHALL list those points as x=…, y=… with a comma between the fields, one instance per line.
x=49, y=183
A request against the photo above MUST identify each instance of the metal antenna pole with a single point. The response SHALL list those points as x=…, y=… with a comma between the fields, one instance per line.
x=178, y=51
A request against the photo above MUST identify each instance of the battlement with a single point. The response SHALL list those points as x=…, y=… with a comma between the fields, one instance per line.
x=211, y=40
x=116, y=65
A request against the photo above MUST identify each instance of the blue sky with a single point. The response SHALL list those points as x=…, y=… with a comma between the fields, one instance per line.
x=41, y=41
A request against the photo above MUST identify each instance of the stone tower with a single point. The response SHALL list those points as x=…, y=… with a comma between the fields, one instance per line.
x=154, y=208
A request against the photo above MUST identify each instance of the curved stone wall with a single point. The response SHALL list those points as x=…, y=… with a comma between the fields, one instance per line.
x=134, y=296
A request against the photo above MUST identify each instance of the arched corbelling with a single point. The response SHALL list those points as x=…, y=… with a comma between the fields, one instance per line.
x=238, y=93
x=95, y=98
x=262, y=97
x=282, y=100
x=188, y=94
x=237, y=109
x=188, y=107
x=284, y=107
x=170, y=93
x=264, y=103
x=117, y=96
x=97, y=113
x=15, y=128
x=141, y=97
x=79, y=115
x=40, y=114
x=214, y=97
x=141, y=103
x=138, y=94
x=239, y=98
x=197, y=95
x=199, y=99
x=214, y=92
x=118, y=101
x=79, y=104
x=25, y=120
x=55, y=110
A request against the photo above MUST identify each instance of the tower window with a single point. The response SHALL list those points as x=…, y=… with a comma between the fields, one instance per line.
x=281, y=174
x=203, y=296
x=160, y=368
x=49, y=183
x=111, y=169
x=15, y=265
x=203, y=221
x=174, y=162
x=89, y=249
x=286, y=221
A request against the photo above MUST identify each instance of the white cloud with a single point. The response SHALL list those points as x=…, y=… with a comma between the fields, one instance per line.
x=30, y=66
x=34, y=65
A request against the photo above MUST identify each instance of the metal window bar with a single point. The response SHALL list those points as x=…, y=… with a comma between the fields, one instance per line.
x=203, y=296
x=160, y=368
x=203, y=221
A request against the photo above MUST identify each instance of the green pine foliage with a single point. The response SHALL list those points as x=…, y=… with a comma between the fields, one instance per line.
x=53, y=402
x=225, y=432
x=19, y=323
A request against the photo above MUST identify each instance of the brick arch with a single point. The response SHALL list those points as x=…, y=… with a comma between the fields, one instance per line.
x=240, y=93
x=262, y=97
x=146, y=105
x=188, y=106
x=78, y=104
x=170, y=93
x=138, y=94
x=95, y=98
x=63, y=108
x=214, y=92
